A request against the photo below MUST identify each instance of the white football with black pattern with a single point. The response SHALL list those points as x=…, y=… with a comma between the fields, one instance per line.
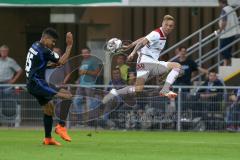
x=114, y=44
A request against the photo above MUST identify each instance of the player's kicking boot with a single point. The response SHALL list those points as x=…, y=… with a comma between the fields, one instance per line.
x=51, y=141
x=62, y=132
x=165, y=91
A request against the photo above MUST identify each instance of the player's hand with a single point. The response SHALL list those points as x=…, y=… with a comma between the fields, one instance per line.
x=130, y=57
x=69, y=39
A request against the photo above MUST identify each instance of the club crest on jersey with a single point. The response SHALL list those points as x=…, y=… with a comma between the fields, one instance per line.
x=140, y=66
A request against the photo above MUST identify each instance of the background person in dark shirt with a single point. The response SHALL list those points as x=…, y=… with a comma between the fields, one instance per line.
x=189, y=68
x=233, y=112
x=210, y=98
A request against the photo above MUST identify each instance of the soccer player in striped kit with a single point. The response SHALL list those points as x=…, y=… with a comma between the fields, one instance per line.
x=39, y=54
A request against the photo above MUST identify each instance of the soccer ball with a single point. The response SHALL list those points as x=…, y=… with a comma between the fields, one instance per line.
x=114, y=44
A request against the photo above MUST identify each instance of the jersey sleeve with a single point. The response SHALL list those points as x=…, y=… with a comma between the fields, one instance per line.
x=52, y=56
x=153, y=36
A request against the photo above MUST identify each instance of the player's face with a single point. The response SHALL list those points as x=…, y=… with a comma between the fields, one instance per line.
x=50, y=42
x=168, y=26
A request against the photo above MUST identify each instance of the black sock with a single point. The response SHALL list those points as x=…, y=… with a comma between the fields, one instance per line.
x=64, y=109
x=62, y=123
x=48, y=122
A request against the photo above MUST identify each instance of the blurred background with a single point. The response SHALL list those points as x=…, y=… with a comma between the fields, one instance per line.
x=93, y=22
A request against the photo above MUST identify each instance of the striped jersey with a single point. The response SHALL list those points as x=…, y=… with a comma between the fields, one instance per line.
x=157, y=41
x=37, y=58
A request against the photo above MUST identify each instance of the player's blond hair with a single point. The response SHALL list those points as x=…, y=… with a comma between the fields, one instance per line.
x=168, y=17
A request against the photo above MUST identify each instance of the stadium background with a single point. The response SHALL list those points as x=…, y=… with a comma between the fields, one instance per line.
x=96, y=24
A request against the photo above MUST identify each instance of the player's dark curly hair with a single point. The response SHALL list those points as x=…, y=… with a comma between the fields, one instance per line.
x=51, y=32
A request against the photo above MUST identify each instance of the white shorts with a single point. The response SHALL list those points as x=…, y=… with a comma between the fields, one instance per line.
x=147, y=66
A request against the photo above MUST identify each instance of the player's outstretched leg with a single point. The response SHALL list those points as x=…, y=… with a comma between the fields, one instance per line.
x=115, y=93
x=176, y=67
x=60, y=128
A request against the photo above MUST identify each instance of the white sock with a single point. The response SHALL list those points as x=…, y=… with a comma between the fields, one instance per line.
x=172, y=76
x=123, y=91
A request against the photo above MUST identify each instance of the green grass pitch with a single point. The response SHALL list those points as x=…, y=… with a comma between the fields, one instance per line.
x=119, y=145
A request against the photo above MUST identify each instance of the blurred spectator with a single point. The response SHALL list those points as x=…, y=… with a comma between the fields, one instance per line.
x=131, y=78
x=60, y=75
x=228, y=28
x=100, y=77
x=189, y=68
x=116, y=82
x=210, y=98
x=233, y=112
x=10, y=71
x=121, y=63
x=210, y=83
x=88, y=72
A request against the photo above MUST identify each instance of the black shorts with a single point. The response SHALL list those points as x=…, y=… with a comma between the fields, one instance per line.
x=223, y=43
x=41, y=90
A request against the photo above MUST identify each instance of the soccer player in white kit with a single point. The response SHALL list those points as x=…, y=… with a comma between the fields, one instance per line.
x=149, y=50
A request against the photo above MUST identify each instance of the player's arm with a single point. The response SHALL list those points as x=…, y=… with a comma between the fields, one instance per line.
x=133, y=44
x=51, y=65
x=139, y=44
x=65, y=56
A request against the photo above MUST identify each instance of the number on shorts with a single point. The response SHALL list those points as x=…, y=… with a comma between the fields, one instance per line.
x=140, y=66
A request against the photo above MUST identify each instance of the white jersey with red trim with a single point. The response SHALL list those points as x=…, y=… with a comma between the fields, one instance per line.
x=157, y=41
